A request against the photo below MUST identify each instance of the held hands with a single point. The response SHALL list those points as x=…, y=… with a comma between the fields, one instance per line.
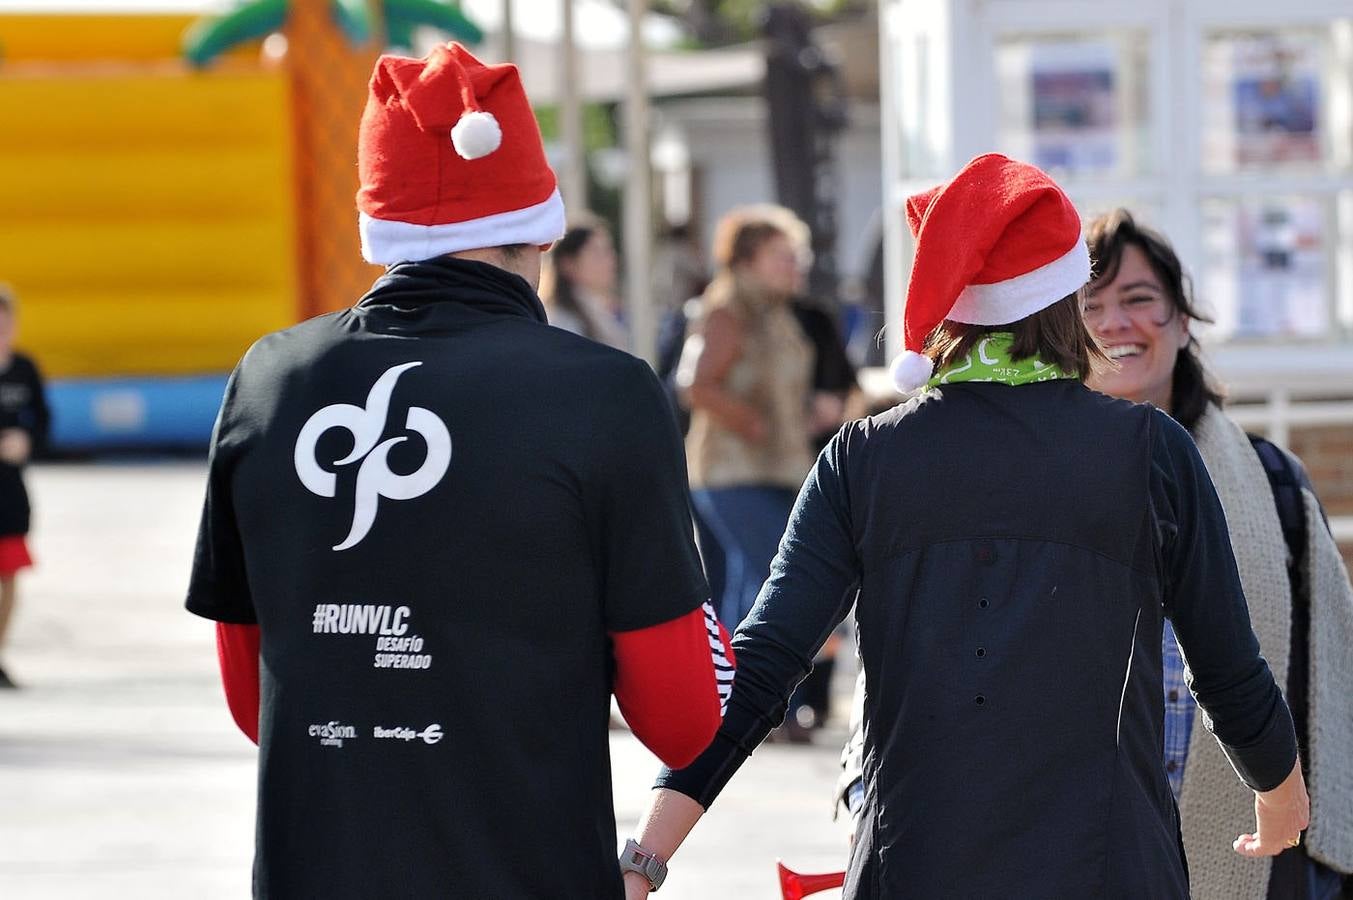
x=754, y=430
x=15, y=446
x=636, y=886
x=1280, y=815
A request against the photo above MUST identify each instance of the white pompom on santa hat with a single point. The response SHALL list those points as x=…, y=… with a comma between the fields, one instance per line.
x=451, y=158
x=998, y=243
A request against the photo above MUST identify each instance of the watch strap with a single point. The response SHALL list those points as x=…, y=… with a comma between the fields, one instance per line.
x=636, y=859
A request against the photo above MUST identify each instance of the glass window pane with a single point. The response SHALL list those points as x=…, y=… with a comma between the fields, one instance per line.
x=1267, y=101
x=1144, y=212
x=1076, y=104
x=1264, y=269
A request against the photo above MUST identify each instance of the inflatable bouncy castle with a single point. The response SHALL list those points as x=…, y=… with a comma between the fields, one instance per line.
x=173, y=185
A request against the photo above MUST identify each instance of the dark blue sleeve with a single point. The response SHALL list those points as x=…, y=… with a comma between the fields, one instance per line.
x=1241, y=703
x=218, y=587
x=642, y=521
x=799, y=605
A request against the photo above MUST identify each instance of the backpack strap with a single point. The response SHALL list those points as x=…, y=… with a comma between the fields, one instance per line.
x=1286, y=481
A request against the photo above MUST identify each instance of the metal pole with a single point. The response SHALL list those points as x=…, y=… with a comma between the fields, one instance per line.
x=509, y=36
x=574, y=181
x=638, y=216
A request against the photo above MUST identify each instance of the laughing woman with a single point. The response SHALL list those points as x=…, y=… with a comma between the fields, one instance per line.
x=1294, y=580
x=1018, y=541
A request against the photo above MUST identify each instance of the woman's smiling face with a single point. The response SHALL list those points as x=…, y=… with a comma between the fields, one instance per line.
x=1135, y=320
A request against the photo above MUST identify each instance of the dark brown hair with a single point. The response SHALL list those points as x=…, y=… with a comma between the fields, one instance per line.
x=1191, y=391
x=1056, y=335
x=7, y=301
x=556, y=288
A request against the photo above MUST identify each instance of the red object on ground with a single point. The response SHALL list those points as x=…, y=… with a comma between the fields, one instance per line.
x=13, y=554
x=794, y=886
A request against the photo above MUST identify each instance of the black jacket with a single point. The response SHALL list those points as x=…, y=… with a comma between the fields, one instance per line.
x=1017, y=549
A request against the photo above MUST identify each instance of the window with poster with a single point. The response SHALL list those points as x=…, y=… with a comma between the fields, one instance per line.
x=1225, y=124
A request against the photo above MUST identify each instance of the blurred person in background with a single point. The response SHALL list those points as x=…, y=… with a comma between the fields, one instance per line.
x=424, y=642
x=746, y=375
x=1141, y=311
x=578, y=284
x=1018, y=540
x=23, y=431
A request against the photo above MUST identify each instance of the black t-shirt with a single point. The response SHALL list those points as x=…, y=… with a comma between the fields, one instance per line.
x=23, y=404
x=436, y=506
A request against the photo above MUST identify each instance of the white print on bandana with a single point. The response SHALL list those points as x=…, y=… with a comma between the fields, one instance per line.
x=395, y=647
x=332, y=734
x=374, y=478
x=430, y=735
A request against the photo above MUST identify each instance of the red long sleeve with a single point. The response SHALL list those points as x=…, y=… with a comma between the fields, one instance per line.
x=237, y=649
x=672, y=682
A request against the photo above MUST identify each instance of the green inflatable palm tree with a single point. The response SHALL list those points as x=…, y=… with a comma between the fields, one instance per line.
x=332, y=47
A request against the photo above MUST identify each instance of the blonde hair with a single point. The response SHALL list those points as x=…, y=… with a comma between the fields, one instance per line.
x=744, y=229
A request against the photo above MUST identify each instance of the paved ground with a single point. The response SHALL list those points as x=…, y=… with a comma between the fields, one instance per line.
x=121, y=774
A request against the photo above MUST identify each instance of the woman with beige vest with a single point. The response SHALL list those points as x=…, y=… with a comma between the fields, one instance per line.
x=1302, y=608
x=746, y=375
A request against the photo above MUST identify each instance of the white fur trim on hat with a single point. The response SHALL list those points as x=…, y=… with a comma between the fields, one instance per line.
x=387, y=242
x=910, y=370
x=1021, y=296
x=476, y=134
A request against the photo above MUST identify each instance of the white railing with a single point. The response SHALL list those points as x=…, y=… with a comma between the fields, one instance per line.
x=1276, y=389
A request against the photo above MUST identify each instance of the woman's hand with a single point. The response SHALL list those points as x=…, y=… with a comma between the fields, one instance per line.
x=753, y=428
x=636, y=886
x=15, y=446
x=1280, y=815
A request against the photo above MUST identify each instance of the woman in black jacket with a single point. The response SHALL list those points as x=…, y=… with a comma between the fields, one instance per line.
x=1018, y=541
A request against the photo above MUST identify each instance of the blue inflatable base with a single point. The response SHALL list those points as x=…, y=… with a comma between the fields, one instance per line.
x=142, y=413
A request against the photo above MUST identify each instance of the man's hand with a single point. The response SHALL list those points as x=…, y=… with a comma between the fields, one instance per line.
x=15, y=446
x=636, y=886
x=1280, y=816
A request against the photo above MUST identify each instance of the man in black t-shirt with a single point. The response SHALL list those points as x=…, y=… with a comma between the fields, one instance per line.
x=439, y=533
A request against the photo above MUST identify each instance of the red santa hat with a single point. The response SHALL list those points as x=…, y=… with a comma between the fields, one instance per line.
x=451, y=159
x=996, y=244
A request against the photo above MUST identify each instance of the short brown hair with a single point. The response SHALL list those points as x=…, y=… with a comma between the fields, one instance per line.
x=8, y=302
x=1056, y=335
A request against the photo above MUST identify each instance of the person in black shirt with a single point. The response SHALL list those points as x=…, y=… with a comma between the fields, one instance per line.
x=438, y=534
x=1018, y=542
x=23, y=430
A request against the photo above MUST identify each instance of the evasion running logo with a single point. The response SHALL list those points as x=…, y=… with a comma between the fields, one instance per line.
x=333, y=734
x=374, y=478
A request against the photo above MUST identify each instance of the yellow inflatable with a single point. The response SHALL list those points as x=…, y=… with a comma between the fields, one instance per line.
x=146, y=209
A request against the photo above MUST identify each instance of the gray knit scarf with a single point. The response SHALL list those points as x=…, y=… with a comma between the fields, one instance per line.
x=1214, y=805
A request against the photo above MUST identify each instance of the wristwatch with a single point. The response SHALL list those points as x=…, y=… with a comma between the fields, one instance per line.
x=637, y=859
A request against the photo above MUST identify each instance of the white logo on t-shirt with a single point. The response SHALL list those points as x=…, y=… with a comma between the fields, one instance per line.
x=374, y=478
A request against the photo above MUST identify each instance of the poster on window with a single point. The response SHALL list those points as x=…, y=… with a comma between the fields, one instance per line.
x=1263, y=93
x=1075, y=107
x=1266, y=269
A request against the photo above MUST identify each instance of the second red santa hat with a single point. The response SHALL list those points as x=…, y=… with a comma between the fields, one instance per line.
x=999, y=242
x=450, y=159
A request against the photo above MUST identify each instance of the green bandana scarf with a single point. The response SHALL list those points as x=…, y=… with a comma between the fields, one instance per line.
x=990, y=361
